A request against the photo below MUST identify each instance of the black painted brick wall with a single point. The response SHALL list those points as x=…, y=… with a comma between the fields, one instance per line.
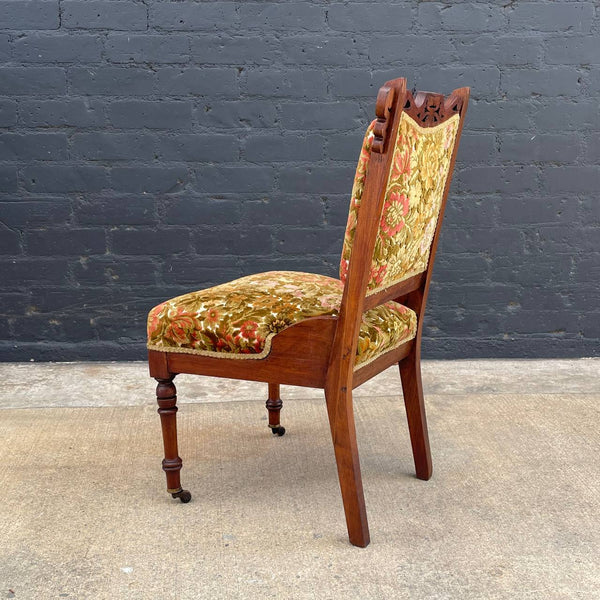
x=150, y=148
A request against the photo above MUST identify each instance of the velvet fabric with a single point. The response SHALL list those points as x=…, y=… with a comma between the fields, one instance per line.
x=239, y=319
x=413, y=198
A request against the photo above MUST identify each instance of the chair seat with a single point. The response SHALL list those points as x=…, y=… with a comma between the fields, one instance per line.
x=239, y=319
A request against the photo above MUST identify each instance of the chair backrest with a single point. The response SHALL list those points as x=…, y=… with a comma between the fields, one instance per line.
x=398, y=198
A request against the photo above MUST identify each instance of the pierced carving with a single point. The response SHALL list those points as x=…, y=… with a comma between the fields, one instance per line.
x=431, y=109
x=383, y=112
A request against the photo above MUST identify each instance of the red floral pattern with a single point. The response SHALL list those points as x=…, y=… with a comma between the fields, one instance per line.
x=414, y=192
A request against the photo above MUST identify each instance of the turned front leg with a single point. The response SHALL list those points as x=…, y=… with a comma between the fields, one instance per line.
x=166, y=396
x=274, y=405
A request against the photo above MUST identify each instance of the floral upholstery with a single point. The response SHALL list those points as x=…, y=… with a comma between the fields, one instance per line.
x=239, y=319
x=413, y=198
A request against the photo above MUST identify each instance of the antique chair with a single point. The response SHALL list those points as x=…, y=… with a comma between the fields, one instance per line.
x=311, y=330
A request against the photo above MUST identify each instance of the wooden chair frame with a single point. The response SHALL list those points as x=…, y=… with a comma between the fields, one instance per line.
x=328, y=344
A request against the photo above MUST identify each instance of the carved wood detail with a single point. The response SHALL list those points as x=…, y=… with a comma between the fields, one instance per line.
x=383, y=112
x=430, y=109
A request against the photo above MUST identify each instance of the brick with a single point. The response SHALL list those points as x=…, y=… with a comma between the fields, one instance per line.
x=481, y=239
x=566, y=114
x=33, y=146
x=5, y=50
x=461, y=17
x=228, y=240
x=321, y=50
x=279, y=148
x=62, y=113
x=573, y=180
x=310, y=240
x=27, y=213
x=551, y=16
x=316, y=179
x=227, y=50
x=237, y=114
x=191, y=16
x=498, y=50
x=135, y=114
x=111, y=81
x=8, y=113
x=291, y=210
x=43, y=48
x=150, y=241
x=557, y=81
x=468, y=211
x=200, y=272
x=65, y=242
x=8, y=179
x=508, y=180
x=276, y=16
x=124, y=48
x=113, y=146
x=484, y=81
x=64, y=178
x=26, y=270
x=345, y=146
x=287, y=84
x=370, y=17
x=120, y=210
x=25, y=14
x=477, y=147
x=593, y=149
x=322, y=115
x=409, y=49
x=32, y=80
x=498, y=114
x=352, y=83
x=97, y=14
x=202, y=211
x=201, y=148
x=593, y=79
x=193, y=81
x=112, y=270
x=460, y=269
x=570, y=50
x=10, y=241
x=238, y=179
x=532, y=147
x=165, y=180
x=532, y=210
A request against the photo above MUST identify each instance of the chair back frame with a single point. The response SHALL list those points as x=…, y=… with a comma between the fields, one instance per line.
x=428, y=110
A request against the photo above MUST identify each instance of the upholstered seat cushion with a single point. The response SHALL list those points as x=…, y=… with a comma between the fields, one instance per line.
x=239, y=319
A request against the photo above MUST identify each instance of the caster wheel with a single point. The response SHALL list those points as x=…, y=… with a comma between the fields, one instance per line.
x=278, y=431
x=183, y=495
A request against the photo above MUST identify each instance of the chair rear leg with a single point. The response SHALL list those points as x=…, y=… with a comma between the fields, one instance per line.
x=166, y=396
x=412, y=387
x=343, y=433
x=274, y=405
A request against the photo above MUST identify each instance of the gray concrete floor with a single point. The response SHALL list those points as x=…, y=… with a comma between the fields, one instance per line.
x=512, y=510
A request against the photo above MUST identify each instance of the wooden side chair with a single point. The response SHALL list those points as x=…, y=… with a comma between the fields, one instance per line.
x=310, y=330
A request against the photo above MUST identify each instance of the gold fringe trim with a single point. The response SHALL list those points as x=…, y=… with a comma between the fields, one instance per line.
x=212, y=354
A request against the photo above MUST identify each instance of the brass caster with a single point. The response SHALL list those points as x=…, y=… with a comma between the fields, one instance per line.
x=183, y=495
x=279, y=430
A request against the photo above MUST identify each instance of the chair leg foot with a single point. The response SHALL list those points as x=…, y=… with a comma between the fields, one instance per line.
x=274, y=405
x=183, y=495
x=166, y=397
x=412, y=387
x=343, y=433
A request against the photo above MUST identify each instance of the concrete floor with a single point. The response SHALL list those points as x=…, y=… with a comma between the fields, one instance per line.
x=512, y=510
